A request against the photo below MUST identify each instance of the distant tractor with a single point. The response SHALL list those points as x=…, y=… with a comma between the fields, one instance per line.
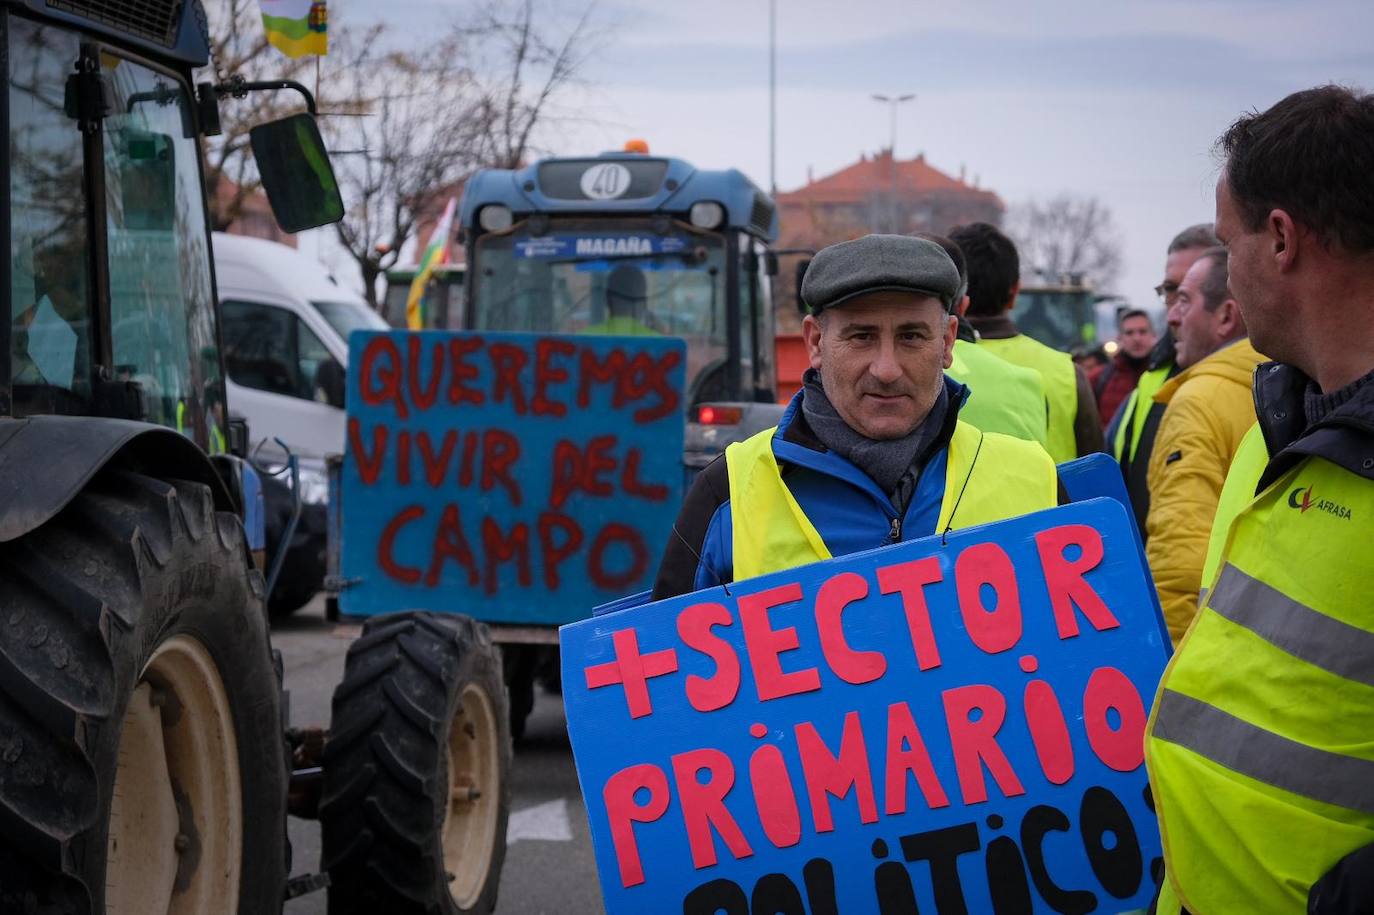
x=544, y=248
x=145, y=761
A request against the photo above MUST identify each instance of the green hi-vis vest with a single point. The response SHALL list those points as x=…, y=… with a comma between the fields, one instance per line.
x=1003, y=397
x=988, y=477
x=1137, y=409
x=1260, y=746
x=1061, y=387
x=620, y=327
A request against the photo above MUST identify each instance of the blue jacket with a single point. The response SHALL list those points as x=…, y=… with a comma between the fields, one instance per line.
x=847, y=508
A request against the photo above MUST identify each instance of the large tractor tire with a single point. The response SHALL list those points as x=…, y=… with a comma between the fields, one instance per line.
x=417, y=770
x=141, y=756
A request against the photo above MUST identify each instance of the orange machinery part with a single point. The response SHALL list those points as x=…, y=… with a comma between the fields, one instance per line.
x=792, y=362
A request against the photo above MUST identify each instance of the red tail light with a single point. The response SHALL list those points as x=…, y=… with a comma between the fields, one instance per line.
x=718, y=415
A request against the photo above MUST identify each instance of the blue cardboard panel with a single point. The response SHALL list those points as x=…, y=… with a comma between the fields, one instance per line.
x=942, y=727
x=517, y=478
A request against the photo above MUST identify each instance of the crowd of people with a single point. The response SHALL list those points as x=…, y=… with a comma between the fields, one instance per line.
x=1245, y=435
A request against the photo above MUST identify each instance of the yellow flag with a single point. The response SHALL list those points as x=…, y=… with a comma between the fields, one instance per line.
x=436, y=253
x=296, y=27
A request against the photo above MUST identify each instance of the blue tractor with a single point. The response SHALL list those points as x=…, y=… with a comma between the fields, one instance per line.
x=629, y=243
x=548, y=246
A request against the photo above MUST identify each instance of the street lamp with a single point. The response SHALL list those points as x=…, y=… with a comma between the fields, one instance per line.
x=892, y=101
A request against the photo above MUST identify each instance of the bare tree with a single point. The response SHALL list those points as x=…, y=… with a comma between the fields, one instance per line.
x=522, y=68
x=424, y=128
x=473, y=97
x=239, y=47
x=1067, y=234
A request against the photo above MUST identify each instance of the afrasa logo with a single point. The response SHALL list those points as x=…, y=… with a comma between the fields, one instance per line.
x=1302, y=500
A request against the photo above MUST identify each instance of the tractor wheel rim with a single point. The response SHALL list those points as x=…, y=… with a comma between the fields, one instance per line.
x=176, y=818
x=474, y=789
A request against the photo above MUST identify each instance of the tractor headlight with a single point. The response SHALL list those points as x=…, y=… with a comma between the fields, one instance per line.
x=495, y=218
x=706, y=214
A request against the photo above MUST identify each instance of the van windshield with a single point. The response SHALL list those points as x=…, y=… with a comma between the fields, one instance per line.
x=346, y=317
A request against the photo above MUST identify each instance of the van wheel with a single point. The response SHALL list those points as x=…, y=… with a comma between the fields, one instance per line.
x=139, y=712
x=417, y=770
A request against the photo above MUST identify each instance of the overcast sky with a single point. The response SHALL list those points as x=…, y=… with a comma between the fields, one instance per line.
x=1121, y=100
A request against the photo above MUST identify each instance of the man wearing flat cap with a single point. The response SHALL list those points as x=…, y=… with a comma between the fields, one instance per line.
x=871, y=451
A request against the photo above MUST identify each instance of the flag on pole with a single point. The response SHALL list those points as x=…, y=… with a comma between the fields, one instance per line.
x=296, y=27
x=436, y=253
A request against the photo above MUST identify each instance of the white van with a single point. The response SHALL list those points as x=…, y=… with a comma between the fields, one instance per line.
x=285, y=322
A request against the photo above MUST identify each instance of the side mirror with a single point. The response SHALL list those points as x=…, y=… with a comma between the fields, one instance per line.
x=296, y=173
x=237, y=427
x=329, y=383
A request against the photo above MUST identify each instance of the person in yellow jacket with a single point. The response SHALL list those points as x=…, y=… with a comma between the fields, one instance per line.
x=871, y=451
x=994, y=269
x=1260, y=745
x=1133, y=429
x=1208, y=410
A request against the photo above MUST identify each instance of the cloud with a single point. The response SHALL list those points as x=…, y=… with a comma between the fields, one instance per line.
x=955, y=59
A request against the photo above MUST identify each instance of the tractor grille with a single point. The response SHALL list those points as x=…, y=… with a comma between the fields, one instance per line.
x=154, y=20
x=761, y=215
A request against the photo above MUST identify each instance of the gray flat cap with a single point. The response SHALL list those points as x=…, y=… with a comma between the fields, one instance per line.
x=879, y=263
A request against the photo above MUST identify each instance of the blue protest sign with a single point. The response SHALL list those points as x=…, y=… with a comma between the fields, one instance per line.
x=933, y=726
x=513, y=477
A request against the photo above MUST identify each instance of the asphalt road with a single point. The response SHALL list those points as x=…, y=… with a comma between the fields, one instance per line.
x=549, y=865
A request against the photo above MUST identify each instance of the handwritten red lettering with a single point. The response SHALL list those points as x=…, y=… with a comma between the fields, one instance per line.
x=450, y=543
x=694, y=625
x=830, y=774
x=381, y=385
x=851, y=666
x=386, y=557
x=369, y=466
x=766, y=644
x=1065, y=580
x=553, y=552
x=500, y=548
x=460, y=372
x=507, y=361
x=547, y=373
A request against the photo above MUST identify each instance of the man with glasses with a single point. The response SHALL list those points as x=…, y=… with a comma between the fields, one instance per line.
x=1132, y=431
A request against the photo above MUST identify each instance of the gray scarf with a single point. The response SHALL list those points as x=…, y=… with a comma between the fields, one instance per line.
x=887, y=463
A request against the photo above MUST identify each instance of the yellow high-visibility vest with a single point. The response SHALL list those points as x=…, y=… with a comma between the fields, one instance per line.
x=1060, y=380
x=1260, y=746
x=1003, y=397
x=1137, y=409
x=988, y=477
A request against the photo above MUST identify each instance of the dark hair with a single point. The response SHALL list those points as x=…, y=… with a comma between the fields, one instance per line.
x=993, y=265
x=1214, y=285
x=1129, y=313
x=1202, y=235
x=1311, y=155
x=955, y=253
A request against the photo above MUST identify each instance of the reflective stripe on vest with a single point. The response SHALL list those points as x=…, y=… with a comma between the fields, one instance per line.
x=1260, y=745
x=1061, y=387
x=988, y=477
x=1003, y=397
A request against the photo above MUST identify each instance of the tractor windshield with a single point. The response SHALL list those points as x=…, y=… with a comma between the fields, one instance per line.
x=161, y=362
x=582, y=277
